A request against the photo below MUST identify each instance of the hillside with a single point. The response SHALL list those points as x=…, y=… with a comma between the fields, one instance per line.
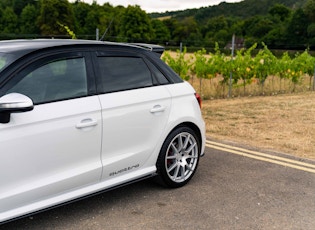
x=244, y=9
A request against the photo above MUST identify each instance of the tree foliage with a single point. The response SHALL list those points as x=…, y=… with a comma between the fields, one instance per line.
x=136, y=25
x=309, y=9
x=53, y=12
x=280, y=11
x=8, y=20
x=162, y=33
x=28, y=17
x=284, y=24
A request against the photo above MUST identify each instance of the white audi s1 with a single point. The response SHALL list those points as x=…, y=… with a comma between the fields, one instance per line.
x=78, y=117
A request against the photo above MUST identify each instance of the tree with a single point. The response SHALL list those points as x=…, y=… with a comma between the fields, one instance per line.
x=19, y=5
x=187, y=30
x=28, y=17
x=105, y=18
x=275, y=38
x=81, y=10
x=222, y=37
x=111, y=21
x=259, y=27
x=8, y=21
x=91, y=20
x=53, y=12
x=215, y=24
x=280, y=11
x=162, y=33
x=309, y=9
x=136, y=25
x=172, y=24
x=297, y=29
x=216, y=30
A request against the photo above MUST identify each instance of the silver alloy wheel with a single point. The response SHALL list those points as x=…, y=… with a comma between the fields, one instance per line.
x=181, y=157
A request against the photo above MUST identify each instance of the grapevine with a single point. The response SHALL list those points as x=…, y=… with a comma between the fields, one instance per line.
x=247, y=69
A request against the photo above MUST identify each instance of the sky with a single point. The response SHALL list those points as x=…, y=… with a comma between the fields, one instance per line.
x=163, y=5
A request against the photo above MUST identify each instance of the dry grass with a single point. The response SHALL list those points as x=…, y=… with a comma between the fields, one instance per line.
x=284, y=123
x=165, y=18
x=214, y=89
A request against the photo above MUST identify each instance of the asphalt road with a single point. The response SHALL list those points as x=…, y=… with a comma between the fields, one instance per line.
x=233, y=189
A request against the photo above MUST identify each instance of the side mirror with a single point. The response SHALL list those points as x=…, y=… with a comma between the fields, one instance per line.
x=14, y=103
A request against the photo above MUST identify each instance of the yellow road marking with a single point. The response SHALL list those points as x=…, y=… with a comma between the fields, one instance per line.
x=263, y=156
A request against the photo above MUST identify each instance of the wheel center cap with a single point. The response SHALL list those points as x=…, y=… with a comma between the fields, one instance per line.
x=180, y=157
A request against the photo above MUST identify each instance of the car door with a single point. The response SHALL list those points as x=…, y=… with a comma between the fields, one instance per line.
x=55, y=148
x=135, y=109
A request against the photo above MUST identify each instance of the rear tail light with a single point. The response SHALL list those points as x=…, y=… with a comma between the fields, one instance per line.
x=198, y=99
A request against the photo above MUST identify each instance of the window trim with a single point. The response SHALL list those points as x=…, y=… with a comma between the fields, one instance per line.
x=123, y=53
x=36, y=61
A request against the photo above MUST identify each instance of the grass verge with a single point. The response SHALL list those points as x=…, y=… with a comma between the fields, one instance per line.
x=284, y=123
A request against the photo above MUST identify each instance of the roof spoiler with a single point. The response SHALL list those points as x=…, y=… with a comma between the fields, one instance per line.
x=157, y=49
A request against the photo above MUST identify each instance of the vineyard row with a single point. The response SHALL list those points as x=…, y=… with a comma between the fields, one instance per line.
x=244, y=71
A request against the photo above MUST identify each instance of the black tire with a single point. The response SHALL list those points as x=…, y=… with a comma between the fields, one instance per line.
x=178, y=158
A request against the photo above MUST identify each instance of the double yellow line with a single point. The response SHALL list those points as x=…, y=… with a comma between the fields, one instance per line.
x=263, y=156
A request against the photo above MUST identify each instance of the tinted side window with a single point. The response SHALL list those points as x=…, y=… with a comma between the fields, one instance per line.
x=5, y=60
x=123, y=73
x=53, y=81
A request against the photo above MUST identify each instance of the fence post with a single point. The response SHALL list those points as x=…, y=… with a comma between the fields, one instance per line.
x=231, y=74
x=97, y=34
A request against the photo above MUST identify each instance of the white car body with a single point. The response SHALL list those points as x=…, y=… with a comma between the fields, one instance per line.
x=67, y=149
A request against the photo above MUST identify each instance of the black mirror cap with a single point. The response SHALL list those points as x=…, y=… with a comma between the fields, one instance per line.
x=5, y=117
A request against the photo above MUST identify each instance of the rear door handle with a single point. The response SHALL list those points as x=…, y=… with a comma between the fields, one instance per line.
x=157, y=109
x=85, y=123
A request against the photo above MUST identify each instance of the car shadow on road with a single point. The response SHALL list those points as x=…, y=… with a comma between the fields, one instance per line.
x=107, y=201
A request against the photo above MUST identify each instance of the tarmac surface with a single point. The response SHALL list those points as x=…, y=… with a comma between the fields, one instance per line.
x=234, y=188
